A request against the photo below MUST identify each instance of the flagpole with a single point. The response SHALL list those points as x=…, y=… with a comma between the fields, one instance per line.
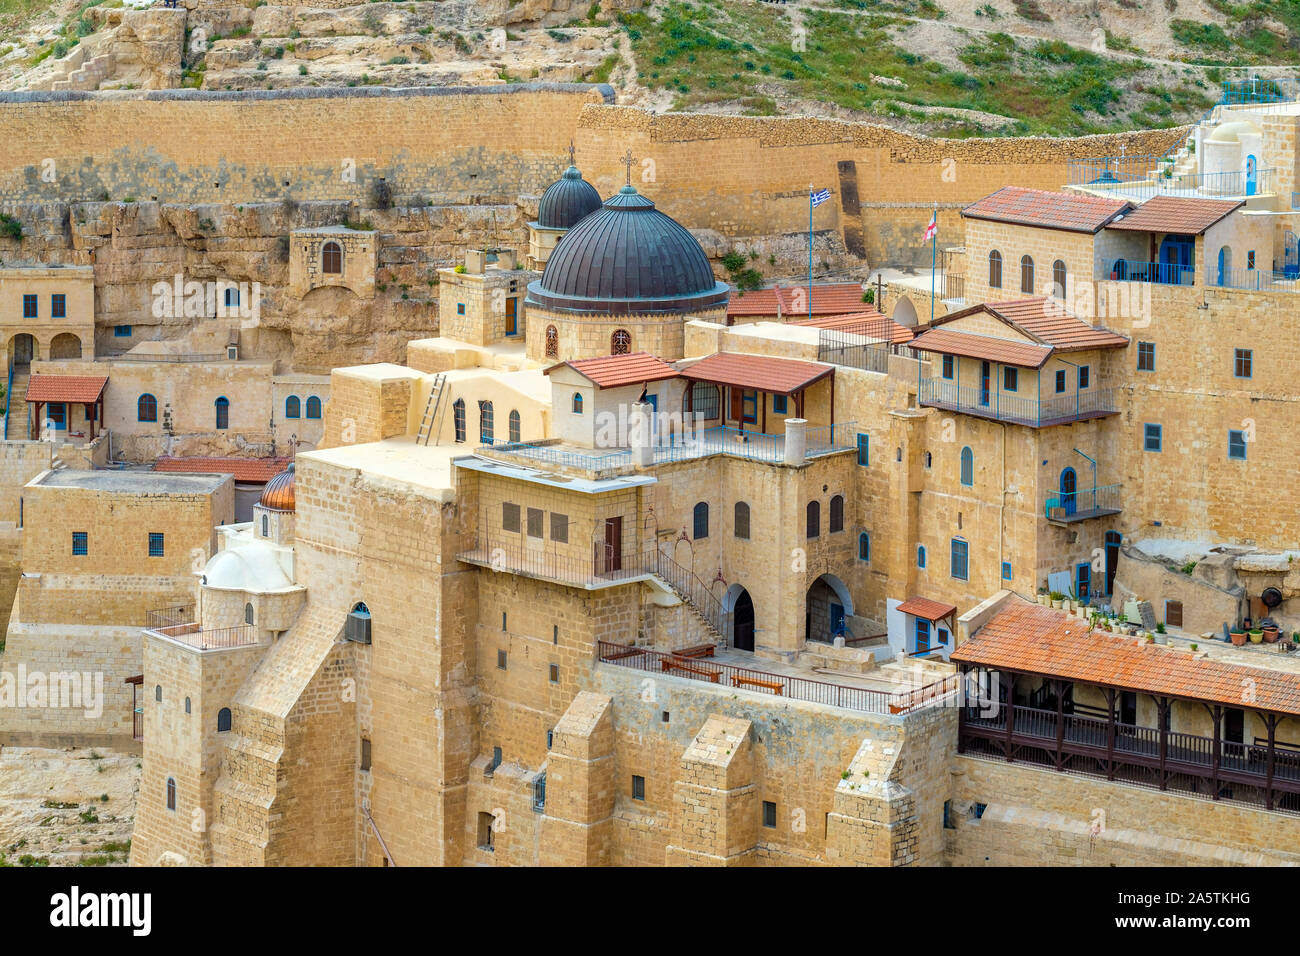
x=810, y=210
x=934, y=252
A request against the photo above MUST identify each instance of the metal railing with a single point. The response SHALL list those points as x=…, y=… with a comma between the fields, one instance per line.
x=1162, y=273
x=1260, y=280
x=205, y=640
x=694, y=591
x=551, y=454
x=854, y=348
x=169, y=616
x=1261, y=90
x=825, y=439
x=602, y=567
x=1084, y=503
x=1145, y=176
x=137, y=724
x=997, y=404
x=171, y=357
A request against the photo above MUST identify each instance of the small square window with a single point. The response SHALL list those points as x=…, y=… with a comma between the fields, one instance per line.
x=80, y=542
x=1243, y=363
x=501, y=660
x=122, y=331
x=555, y=673
x=1010, y=378
x=1236, y=445
x=1146, y=357
x=769, y=814
x=1006, y=570
x=638, y=787
x=1152, y=437
x=155, y=544
x=509, y=517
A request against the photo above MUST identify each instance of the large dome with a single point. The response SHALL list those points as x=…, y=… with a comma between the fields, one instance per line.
x=279, y=492
x=628, y=257
x=567, y=200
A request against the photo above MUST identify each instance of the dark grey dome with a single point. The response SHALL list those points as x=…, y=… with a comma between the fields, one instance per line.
x=567, y=200
x=628, y=257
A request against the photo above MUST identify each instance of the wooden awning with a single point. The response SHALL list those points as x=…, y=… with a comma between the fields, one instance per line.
x=926, y=609
x=86, y=389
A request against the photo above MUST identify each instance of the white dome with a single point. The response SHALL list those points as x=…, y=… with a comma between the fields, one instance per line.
x=247, y=567
x=1232, y=132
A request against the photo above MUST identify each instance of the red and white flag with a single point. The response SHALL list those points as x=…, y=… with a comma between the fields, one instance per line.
x=932, y=230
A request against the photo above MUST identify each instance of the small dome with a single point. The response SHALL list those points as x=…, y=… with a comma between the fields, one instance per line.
x=279, y=491
x=566, y=201
x=251, y=567
x=1232, y=132
x=628, y=257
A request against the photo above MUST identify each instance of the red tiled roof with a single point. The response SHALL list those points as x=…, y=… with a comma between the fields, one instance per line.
x=1041, y=640
x=828, y=298
x=926, y=609
x=1050, y=322
x=869, y=323
x=986, y=347
x=66, y=388
x=777, y=376
x=1184, y=215
x=1051, y=210
x=244, y=469
x=611, y=371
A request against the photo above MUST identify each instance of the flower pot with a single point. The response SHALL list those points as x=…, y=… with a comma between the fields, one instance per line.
x=1238, y=637
x=1057, y=604
x=1257, y=637
x=1270, y=635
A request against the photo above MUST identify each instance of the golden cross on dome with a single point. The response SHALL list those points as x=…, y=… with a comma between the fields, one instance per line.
x=628, y=161
x=571, y=163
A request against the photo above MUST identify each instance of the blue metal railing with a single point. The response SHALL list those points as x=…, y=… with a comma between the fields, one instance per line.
x=1065, y=506
x=1142, y=177
x=1163, y=273
x=1256, y=90
x=594, y=460
x=1257, y=279
x=999, y=405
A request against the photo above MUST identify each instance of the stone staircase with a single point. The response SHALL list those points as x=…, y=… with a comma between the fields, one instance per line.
x=78, y=71
x=17, y=429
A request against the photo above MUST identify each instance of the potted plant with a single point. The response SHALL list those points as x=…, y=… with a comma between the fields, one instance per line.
x=1195, y=648
x=1270, y=633
x=1238, y=636
x=1057, y=599
x=1042, y=597
x=1256, y=635
x=1160, y=627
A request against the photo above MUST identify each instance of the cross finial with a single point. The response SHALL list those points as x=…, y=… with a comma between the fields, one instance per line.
x=571, y=163
x=628, y=161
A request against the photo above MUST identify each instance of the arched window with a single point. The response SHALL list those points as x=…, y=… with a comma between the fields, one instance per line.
x=814, y=519
x=458, y=418
x=1026, y=274
x=742, y=520
x=266, y=526
x=837, y=514
x=1058, y=279
x=292, y=407
x=967, y=466
x=331, y=259
x=577, y=403
x=485, y=422
x=313, y=407
x=552, y=341
x=223, y=412
x=929, y=459
x=620, y=343
x=515, y=429
x=171, y=793
x=920, y=556
x=701, y=520
x=146, y=408
x=864, y=547
x=248, y=614
x=187, y=705
x=223, y=720
x=995, y=270
x=704, y=400
x=157, y=692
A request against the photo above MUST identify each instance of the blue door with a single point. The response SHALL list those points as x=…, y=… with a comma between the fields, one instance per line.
x=1083, y=581
x=922, y=635
x=1225, y=264
x=984, y=383
x=1251, y=175
x=837, y=620
x=1069, y=487
x=57, y=413
x=1175, y=258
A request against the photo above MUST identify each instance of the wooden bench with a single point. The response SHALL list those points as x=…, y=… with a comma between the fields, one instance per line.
x=682, y=664
x=699, y=650
x=740, y=680
x=621, y=653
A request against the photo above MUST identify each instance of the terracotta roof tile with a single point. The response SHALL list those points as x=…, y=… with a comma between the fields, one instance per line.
x=611, y=371
x=777, y=376
x=986, y=347
x=869, y=323
x=244, y=469
x=1041, y=640
x=1184, y=215
x=1048, y=320
x=66, y=388
x=828, y=298
x=1051, y=210
x=927, y=609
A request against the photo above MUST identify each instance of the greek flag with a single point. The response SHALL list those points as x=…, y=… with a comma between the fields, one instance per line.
x=819, y=197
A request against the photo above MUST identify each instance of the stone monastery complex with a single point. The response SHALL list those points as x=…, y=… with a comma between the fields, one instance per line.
x=502, y=529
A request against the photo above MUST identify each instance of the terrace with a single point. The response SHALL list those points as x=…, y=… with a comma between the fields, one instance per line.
x=208, y=639
x=1139, y=178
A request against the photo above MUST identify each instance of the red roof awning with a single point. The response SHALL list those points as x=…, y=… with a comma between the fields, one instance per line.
x=86, y=389
x=244, y=469
x=987, y=347
x=611, y=371
x=777, y=376
x=926, y=609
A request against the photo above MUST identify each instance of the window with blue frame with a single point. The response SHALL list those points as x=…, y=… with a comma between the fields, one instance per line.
x=57, y=413
x=922, y=635
x=1083, y=376
x=1060, y=380
x=1010, y=379
x=122, y=331
x=80, y=542
x=1236, y=445
x=485, y=423
x=960, y=559
x=779, y=404
x=749, y=407
x=949, y=363
x=146, y=408
x=1006, y=570
x=232, y=298
x=1243, y=363
x=58, y=306
x=864, y=452
x=292, y=407
x=460, y=308
x=222, y=406
x=920, y=556
x=967, y=466
x=577, y=403
x=1152, y=437
x=155, y=544
x=864, y=547
x=943, y=635
x=313, y=406
x=30, y=307
x=1146, y=357
x=700, y=520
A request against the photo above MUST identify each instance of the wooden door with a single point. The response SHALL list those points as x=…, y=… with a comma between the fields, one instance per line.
x=613, y=544
x=737, y=404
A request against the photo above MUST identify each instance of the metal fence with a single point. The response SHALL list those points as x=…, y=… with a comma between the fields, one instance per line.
x=1065, y=506
x=169, y=616
x=179, y=357
x=1163, y=273
x=1260, y=280
x=994, y=403
x=206, y=640
x=852, y=350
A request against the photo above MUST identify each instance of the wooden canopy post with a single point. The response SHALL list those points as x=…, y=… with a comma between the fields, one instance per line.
x=1110, y=733
x=1059, y=688
x=1270, y=721
x=1162, y=716
x=35, y=423
x=1216, y=712
x=1011, y=711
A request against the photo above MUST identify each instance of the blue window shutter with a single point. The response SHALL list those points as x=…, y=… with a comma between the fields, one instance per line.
x=864, y=453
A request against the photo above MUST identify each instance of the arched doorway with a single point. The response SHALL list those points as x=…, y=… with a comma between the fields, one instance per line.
x=1113, y=539
x=1069, y=489
x=828, y=608
x=65, y=345
x=740, y=607
x=1251, y=175
x=1225, y=264
x=22, y=350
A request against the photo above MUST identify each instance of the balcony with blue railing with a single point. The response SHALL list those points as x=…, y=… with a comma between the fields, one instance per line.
x=1161, y=273
x=1139, y=178
x=1070, y=506
x=998, y=405
x=1256, y=280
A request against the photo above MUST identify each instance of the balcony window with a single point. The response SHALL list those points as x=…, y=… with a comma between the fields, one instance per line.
x=485, y=422
x=1152, y=437
x=536, y=522
x=1010, y=379
x=1060, y=381
x=960, y=559
x=1146, y=357
x=510, y=517
x=1084, y=376
x=559, y=528
x=1236, y=445
x=949, y=363
x=864, y=451
x=1243, y=363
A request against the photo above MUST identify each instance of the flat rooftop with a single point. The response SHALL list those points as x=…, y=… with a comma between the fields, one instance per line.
x=427, y=468
x=132, y=482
